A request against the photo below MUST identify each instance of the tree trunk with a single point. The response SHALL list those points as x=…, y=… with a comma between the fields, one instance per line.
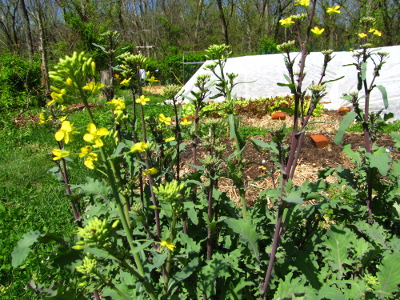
x=29, y=41
x=223, y=21
x=44, y=66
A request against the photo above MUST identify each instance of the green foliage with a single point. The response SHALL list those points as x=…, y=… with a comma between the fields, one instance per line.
x=172, y=69
x=20, y=82
x=252, y=108
x=147, y=230
x=268, y=46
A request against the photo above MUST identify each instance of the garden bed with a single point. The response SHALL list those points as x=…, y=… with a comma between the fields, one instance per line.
x=312, y=159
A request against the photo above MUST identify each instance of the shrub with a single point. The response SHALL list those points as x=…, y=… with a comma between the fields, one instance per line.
x=20, y=82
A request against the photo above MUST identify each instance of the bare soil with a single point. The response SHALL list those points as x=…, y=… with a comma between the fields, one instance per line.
x=312, y=159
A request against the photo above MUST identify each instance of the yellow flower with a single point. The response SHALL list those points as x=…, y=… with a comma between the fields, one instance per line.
x=140, y=146
x=42, y=118
x=65, y=132
x=170, y=139
x=375, y=31
x=317, y=31
x=94, y=135
x=333, y=10
x=151, y=171
x=116, y=76
x=126, y=82
x=93, y=87
x=118, y=105
x=305, y=3
x=185, y=122
x=286, y=22
x=85, y=151
x=57, y=97
x=164, y=119
x=62, y=119
x=169, y=246
x=152, y=80
x=142, y=100
x=90, y=159
x=69, y=82
x=362, y=35
x=58, y=154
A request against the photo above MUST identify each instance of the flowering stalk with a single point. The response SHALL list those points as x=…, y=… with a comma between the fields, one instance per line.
x=289, y=163
x=62, y=165
x=150, y=177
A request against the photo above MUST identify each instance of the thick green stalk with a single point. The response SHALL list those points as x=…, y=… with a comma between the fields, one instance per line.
x=113, y=180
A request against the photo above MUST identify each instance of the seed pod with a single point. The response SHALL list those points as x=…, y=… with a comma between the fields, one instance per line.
x=93, y=67
x=77, y=247
x=55, y=89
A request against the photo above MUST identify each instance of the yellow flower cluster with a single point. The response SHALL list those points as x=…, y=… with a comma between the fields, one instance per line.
x=65, y=132
x=333, y=10
x=57, y=97
x=58, y=154
x=118, y=105
x=93, y=87
x=317, y=31
x=169, y=246
x=286, y=22
x=151, y=171
x=90, y=157
x=125, y=82
x=164, y=119
x=185, y=122
x=94, y=135
x=305, y=3
x=142, y=100
x=139, y=147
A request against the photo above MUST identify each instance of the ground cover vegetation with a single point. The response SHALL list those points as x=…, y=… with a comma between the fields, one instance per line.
x=131, y=205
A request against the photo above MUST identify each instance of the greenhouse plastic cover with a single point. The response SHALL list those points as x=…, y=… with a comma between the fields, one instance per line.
x=259, y=74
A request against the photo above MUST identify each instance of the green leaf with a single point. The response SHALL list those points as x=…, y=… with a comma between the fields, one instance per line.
x=185, y=272
x=332, y=80
x=158, y=260
x=100, y=253
x=191, y=212
x=247, y=231
x=363, y=71
x=189, y=244
x=201, y=168
x=217, y=267
x=396, y=168
x=396, y=138
x=375, y=232
x=361, y=247
x=101, y=47
x=94, y=187
x=338, y=243
x=353, y=155
x=380, y=160
x=384, y=95
x=347, y=120
x=330, y=292
x=289, y=287
x=389, y=275
x=23, y=247
x=295, y=196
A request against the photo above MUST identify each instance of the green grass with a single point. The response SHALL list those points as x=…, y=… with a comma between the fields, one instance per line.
x=31, y=198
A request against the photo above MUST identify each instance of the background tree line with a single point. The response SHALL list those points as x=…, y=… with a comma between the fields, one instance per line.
x=48, y=29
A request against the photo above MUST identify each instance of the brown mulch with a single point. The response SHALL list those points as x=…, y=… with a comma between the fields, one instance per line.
x=312, y=159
